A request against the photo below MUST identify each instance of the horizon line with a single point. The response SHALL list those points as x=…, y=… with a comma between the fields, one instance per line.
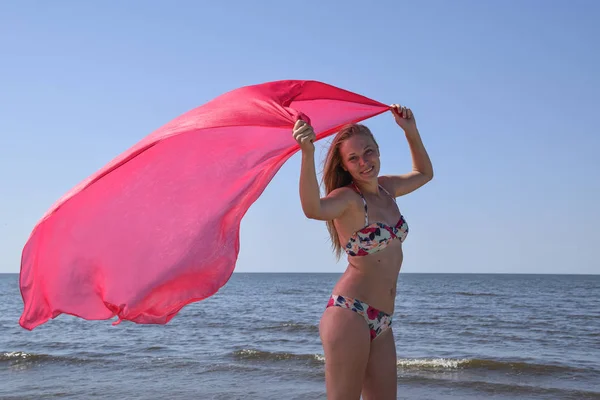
x=401, y=273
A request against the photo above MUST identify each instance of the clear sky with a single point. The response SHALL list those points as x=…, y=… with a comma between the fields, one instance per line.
x=503, y=92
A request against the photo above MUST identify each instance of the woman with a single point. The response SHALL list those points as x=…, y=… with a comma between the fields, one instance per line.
x=363, y=220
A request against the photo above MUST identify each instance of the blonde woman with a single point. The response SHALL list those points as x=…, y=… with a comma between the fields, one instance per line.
x=364, y=221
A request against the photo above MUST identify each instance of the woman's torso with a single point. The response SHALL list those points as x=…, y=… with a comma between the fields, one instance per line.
x=374, y=261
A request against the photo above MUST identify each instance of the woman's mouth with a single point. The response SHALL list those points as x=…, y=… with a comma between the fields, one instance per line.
x=367, y=171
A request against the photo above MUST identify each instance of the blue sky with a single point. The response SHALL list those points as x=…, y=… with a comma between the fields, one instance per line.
x=503, y=93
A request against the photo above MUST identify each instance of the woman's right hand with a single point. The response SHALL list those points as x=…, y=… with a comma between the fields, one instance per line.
x=305, y=135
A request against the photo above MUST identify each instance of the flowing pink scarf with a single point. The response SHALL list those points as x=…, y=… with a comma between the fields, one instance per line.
x=158, y=227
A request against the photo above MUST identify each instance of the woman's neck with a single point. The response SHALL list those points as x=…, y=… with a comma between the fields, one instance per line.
x=369, y=187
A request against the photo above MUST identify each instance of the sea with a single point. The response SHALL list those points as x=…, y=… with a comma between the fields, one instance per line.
x=458, y=336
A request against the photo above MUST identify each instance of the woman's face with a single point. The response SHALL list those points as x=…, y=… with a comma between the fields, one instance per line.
x=360, y=157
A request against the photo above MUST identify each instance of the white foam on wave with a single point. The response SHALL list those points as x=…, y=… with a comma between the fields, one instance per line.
x=438, y=363
x=445, y=363
x=16, y=354
x=248, y=352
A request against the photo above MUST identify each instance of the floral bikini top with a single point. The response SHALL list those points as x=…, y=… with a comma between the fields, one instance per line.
x=376, y=236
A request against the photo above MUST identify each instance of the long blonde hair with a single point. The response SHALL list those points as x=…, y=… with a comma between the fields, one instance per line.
x=334, y=174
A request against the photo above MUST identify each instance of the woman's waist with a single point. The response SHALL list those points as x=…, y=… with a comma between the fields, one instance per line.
x=376, y=289
x=377, y=267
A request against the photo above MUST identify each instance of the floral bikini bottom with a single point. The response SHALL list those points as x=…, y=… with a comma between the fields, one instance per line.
x=378, y=321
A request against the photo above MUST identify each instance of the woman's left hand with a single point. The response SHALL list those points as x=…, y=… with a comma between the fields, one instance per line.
x=404, y=117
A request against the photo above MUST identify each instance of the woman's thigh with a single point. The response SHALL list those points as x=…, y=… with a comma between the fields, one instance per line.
x=346, y=343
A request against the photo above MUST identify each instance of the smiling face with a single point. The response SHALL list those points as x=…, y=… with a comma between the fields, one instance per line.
x=360, y=157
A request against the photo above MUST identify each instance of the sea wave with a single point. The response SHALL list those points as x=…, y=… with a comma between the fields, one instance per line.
x=424, y=363
x=259, y=355
x=496, y=365
x=23, y=357
x=431, y=363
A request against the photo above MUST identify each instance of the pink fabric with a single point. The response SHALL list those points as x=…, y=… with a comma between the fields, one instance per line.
x=158, y=227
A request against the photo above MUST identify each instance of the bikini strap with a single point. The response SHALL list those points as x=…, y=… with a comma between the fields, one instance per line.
x=382, y=188
x=364, y=202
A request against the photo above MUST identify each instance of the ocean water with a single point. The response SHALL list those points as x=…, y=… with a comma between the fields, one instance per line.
x=457, y=337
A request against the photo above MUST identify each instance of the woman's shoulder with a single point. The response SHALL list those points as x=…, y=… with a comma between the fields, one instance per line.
x=346, y=194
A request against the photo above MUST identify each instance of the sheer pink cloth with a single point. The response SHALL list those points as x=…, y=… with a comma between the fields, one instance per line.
x=158, y=227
